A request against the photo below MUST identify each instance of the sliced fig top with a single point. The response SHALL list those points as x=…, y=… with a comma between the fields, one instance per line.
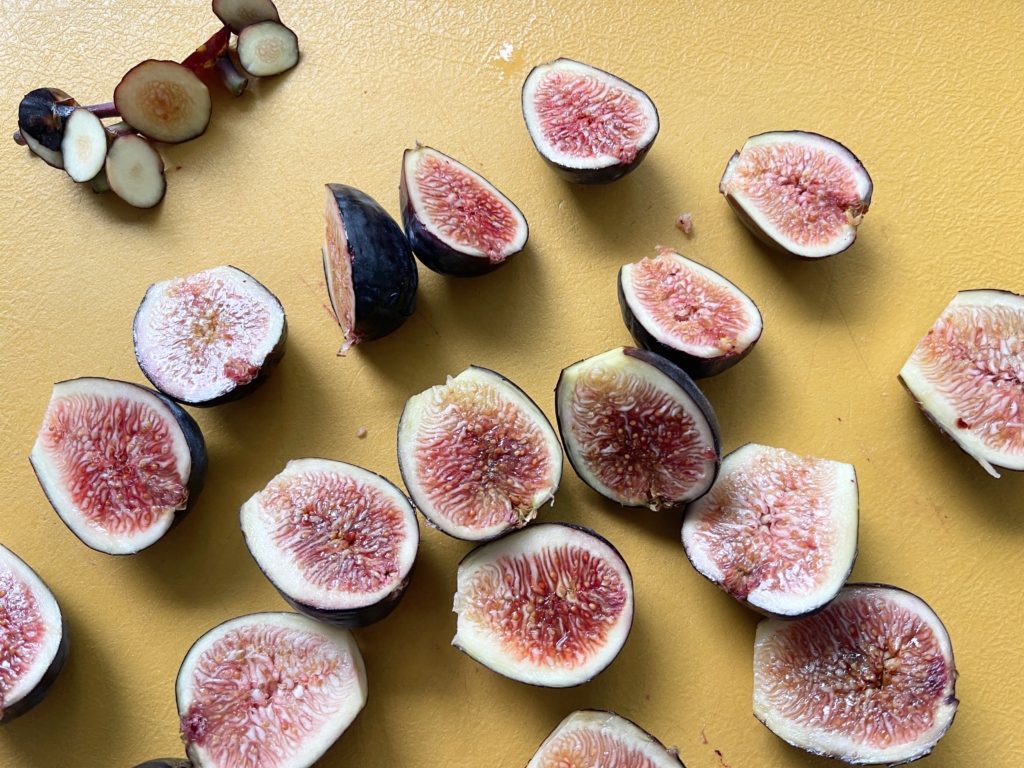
x=594, y=739
x=41, y=116
x=238, y=14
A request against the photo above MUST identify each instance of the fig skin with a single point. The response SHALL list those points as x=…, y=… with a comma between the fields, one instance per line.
x=166, y=762
x=42, y=114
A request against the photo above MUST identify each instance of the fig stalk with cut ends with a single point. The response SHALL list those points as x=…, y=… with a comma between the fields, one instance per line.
x=550, y=605
x=798, y=192
x=238, y=14
x=134, y=171
x=478, y=457
x=164, y=101
x=777, y=531
x=338, y=542
x=267, y=48
x=591, y=738
x=870, y=680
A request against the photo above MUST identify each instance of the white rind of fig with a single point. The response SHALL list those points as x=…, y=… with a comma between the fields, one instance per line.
x=606, y=731
x=135, y=171
x=49, y=156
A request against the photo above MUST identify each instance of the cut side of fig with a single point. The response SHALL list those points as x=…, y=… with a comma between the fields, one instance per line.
x=589, y=125
x=594, y=739
x=687, y=313
x=637, y=429
x=210, y=337
x=869, y=680
x=457, y=222
x=967, y=375
x=370, y=270
x=799, y=192
x=337, y=541
x=33, y=638
x=239, y=14
x=267, y=48
x=134, y=171
x=119, y=463
x=478, y=457
x=84, y=146
x=42, y=115
x=164, y=101
x=268, y=690
x=550, y=605
x=777, y=531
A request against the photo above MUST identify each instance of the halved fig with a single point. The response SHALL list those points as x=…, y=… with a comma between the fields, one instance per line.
x=164, y=101
x=589, y=125
x=267, y=48
x=870, y=680
x=478, y=457
x=213, y=57
x=238, y=14
x=370, y=270
x=210, y=337
x=268, y=690
x=799, y=192
x=591, y=738
x=457, y=222
x=637, y=429
x=967, y=375
x=119, y=463
x=338, y=542
x=42, y=115
x=33, y=637
x=687, y=313
x=550, y=605
x=84, y=146
x=777, y=531
x=134, y=171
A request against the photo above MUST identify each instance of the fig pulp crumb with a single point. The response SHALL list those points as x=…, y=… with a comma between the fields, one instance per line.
x=22, y=631
x=361, y=433
x=685, y=223
x=592, y=748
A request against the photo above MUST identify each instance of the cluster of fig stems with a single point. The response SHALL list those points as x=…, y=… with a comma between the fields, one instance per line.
x=106, y=109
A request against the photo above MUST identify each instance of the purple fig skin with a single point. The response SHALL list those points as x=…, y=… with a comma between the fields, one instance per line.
x=166, y=762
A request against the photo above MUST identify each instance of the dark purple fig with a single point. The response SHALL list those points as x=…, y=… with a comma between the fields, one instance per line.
x=239, y=14
x=42, y=115
x=478, y=457
x=33, y=637
x=966, y=375
x=591, y=738
x=870, y=680
x=637, y=429
x=589, y=125
x=550, y=605
x=777, y=531
x=134, y=171
x=267, y=48
x=800, y=193
x=164, y=101
x=457, y=222
x=119, y=463
x=166, y=762
x=268, y=689
x=687, y=313
x=210, y=337
x=338, y=542
x=370, y=270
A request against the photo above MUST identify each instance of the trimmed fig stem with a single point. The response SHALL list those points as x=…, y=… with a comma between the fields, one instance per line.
x=233, y=80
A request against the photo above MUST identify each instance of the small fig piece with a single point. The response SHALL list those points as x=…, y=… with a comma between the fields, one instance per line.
x=637, y=429
x=777, y=531
x=478, y=457
x=134, y=171
x=870, y=680
x=550, y=605
x=42, y=115
x=591, y=738
x=267, y=48
x=799, y=192
x=84, y=146
x=589, y=125
x=687, y=313
x=164, y=101
x=338, y=542
x=239, y=14
x=457, y=222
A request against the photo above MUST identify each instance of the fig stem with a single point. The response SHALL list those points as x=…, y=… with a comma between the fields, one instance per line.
x=19, y=139
x=233, y=80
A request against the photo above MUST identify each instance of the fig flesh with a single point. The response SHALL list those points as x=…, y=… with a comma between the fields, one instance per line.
x=550, y=605
x=370, y=270
x=239, y=14
x=268, y=690
x=637, y=429
x=870, y=680
x=42, y=115
x=457, y=222
x=687, y=313
x=210, y=337
x=33, y=637
x=119, y=463
x=478, y=457
x=777, y=531
x=338, y=542
x=134, y=171
x=267, y=48
x=164, y=101
x=799, y=192
x=594, y=739
x=967, y=375
x=590, y=126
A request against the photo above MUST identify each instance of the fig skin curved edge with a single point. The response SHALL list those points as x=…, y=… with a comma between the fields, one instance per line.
x=672, y=751
x=166, y=762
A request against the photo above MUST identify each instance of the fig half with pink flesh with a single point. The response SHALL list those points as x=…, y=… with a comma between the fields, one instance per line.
x=210, y=337
x=34, y=640
x=870, y=680
x=687, y=313
x=777, y=531
x=338, y=542
x=590, y=126
x=591, y=738
x=967, y=375
x=119, y=463
x=164, y=101
x=268, y=689
x=478, y=457
x=637, y=429
x=799, y=192
x=457, y=222
x=550, y=605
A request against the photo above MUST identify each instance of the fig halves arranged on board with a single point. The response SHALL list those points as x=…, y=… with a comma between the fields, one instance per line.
x=594, y=739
